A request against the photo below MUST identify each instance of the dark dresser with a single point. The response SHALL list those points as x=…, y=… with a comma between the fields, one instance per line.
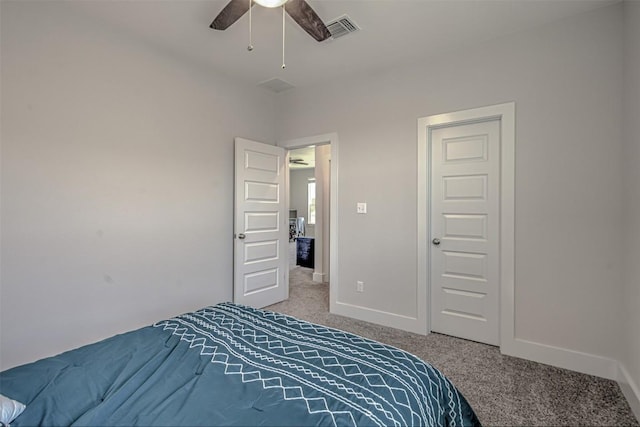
x=305, y=252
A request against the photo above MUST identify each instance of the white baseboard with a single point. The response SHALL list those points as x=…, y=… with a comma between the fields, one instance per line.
x=379, y=317
x=572, y=360
x=319, y=277
x=630, y=390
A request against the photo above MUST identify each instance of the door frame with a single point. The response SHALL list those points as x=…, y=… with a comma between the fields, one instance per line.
x=327, y=138
x=505, y=113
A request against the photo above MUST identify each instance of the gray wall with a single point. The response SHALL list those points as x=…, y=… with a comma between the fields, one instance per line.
x=565, y=80
x=117, y=180
x=631, y=223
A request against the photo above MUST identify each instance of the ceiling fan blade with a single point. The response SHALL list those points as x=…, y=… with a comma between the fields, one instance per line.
x=230, y=14
x=307, y=18
x=298, y=161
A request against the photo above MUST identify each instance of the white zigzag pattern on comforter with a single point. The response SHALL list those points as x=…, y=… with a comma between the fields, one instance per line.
x=441, y=385
x=269, y=347
x=289, y=393
x=375, y=359
x=348, y=370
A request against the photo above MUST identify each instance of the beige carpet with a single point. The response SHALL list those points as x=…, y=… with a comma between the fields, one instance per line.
x=502, y=390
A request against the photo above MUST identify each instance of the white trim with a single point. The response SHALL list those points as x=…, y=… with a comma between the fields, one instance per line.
x=630, y=390
x=327, y=138
x=319, y=277
x=424, y=198
x=572, y=360
x=287, y=204
x=580, y=362
x=506, y=114
x=379, y=317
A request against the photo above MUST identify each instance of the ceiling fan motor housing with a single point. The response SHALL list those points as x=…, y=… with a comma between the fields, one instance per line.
x=270, y=3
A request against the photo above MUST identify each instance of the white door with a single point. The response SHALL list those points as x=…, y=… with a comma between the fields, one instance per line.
x=261, y=233
x=465, y=227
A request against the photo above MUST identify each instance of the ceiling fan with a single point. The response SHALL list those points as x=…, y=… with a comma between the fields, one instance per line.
x=299, y=10
x=298, y=162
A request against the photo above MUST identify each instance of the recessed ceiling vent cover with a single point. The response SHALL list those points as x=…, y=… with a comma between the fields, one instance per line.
x=342, y=26
x=276, y=85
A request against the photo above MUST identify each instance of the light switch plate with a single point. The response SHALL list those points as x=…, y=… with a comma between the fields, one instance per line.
x=361, y=208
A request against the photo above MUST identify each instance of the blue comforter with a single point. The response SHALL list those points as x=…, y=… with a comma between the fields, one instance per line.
x=234, y=365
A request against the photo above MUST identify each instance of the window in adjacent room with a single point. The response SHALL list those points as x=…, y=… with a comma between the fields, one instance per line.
x=311, y=192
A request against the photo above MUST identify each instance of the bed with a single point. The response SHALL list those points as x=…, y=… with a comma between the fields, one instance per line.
x=234, y=365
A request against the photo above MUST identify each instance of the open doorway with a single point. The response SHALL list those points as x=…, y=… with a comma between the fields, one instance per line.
x=309, y=213
x=302, y=208
x=324, y=274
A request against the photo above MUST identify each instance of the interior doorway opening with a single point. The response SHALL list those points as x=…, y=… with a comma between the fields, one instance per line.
x=327, y=230
x=309, y=181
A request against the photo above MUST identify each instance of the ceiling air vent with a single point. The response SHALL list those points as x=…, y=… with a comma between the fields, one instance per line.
x=276, y=85
x=342, y=26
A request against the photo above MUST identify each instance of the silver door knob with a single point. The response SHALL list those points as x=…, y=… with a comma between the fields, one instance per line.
x=436, y=241
x=241, y=236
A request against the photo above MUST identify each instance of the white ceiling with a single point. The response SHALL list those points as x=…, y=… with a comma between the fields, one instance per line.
x=393, y=32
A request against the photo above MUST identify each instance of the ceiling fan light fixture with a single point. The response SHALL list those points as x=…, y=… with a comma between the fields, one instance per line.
x=271, y=3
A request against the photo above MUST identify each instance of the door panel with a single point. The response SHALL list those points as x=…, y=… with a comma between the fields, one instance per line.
x=261, y=230
x=465, y=227
x=464, y=187
x=465, y=218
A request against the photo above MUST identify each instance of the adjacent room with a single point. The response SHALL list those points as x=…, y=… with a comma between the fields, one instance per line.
x=451, y=185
